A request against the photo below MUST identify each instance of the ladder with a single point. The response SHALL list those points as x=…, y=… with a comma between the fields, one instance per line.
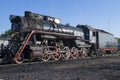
x=22, y=47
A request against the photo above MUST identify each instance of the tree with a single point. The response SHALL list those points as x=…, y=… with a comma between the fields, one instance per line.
x=7, y=33
x=118, y=40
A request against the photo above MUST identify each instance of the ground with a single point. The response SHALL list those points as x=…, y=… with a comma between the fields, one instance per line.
x=105, y=68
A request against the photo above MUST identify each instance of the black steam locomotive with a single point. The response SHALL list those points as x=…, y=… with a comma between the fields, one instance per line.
x=36, y=36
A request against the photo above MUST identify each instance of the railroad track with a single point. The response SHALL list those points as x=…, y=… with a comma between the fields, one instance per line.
x=26, y=61
x=89, y=68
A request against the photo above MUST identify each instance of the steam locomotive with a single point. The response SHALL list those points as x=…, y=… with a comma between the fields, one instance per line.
x=36, y=36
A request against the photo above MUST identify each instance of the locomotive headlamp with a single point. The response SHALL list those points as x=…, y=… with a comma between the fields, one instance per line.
x=56, y=20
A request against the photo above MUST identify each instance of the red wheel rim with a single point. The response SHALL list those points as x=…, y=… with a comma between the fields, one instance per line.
x=75, y=55
x=46, y=58
x=56, y=56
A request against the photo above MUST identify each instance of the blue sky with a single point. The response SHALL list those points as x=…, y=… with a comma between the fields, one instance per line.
x=101, y=14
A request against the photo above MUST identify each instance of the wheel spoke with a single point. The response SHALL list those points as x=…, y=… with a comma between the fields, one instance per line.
x=66, y=55
x=74, y=53
x=84, y=52
x=46, y=57
x=56, y=56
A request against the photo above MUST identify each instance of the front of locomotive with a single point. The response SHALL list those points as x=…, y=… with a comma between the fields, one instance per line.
x=14, y=43
x=10, y=50
x=20, y=28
